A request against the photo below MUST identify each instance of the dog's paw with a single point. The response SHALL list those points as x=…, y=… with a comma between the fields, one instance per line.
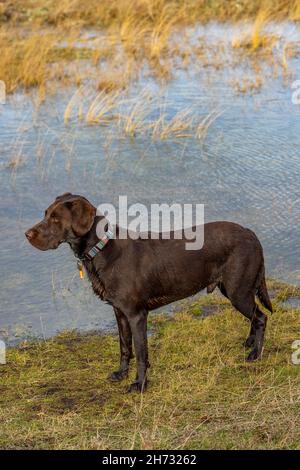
x=118, y=375
x=253, y=355
x=249, y=341
x=137, y=387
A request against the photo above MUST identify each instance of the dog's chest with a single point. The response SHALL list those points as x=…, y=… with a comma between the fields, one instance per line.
x=97, y=285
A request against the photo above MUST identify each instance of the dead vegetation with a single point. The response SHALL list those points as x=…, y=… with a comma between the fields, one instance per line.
x=40, y=39
x=151, y=13
x=143, y=114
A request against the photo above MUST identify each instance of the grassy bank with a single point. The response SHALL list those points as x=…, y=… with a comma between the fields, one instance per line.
x=119, y=12
x=39, y=40
x=202, y=393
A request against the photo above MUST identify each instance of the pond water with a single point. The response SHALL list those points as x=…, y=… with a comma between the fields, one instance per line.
x=246, y=169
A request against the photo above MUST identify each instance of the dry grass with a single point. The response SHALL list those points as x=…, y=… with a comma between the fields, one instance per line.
x=257, y=39
x=248, y=85
x=206, y=122
x=94, y=109
x=179, y=126
x=151, y=13
x=16, y=162
x=23, y=61
x=202, y=393
x=141, y=115
x=37, y=39
x=102, y=108
x=134, y=117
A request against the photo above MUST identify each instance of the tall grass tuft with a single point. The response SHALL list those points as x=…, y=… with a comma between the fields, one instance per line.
x=101, y=110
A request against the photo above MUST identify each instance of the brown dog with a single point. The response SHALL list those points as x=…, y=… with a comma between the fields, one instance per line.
x=136, y=276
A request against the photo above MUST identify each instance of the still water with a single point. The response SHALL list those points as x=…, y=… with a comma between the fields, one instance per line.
x=246, y=169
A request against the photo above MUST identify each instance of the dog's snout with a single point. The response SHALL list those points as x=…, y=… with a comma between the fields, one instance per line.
x=29, y=234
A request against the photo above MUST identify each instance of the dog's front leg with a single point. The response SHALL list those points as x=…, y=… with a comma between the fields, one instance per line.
x=125, y=337
x=138, y=324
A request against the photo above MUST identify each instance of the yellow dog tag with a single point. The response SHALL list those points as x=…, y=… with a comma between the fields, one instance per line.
x=80, y=269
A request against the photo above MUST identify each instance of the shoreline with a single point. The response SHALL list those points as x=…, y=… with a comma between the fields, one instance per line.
x=282, y=290
x=202, y=394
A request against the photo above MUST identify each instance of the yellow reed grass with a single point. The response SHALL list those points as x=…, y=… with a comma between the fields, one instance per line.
x=102, y=108
x=138, y=31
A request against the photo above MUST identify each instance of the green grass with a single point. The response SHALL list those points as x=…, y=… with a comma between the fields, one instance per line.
x=202, y=394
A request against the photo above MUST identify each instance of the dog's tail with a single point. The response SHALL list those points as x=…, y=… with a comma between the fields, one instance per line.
x=262, y=292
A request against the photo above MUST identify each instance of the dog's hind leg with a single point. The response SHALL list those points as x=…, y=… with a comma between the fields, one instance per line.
x=250, y=340
x=239, y=284
x=259, y=323
x=247, y=306
x=125, y=337
x=251, y=337
x=222, y=289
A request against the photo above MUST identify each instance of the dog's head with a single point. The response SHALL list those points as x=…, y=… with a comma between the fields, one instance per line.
x=69, y=216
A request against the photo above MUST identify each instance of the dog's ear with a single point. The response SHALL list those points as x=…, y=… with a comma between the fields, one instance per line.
x=82, y=213
x=63, y=195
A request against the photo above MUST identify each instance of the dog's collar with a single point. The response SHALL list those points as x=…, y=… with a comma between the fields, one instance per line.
x=98, y=247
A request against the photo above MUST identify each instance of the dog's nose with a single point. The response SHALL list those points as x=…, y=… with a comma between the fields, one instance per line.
x=29, y=234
